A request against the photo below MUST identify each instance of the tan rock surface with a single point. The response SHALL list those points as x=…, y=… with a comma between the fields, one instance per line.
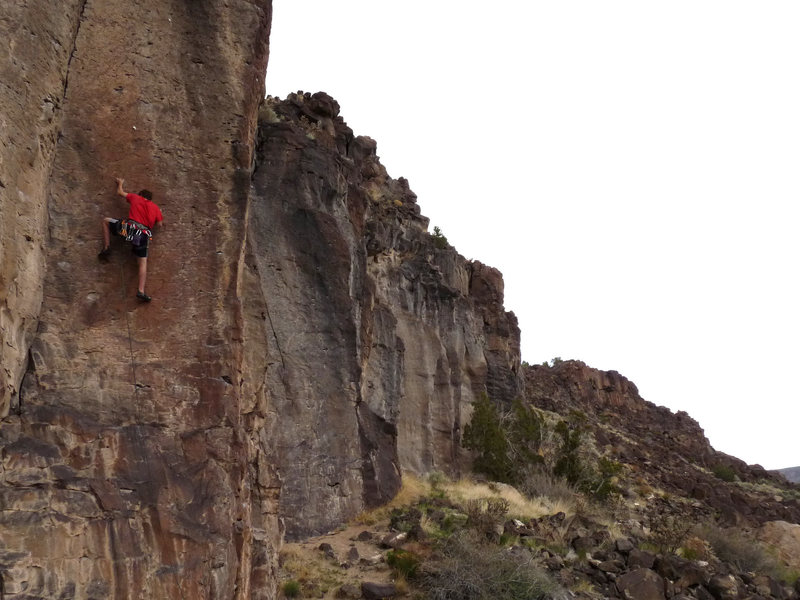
x=784, y=538
x=37, y=47
x=126, y=469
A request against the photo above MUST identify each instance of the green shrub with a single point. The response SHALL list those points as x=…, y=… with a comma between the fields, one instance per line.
x=525, y=432
x=291, y=589
x=604, y=484
x=437, y=479
x=438, y=239
x=402, y=562
x=569, y=464
x=724, y=472
x=406, y=519
x=486, y=436
x=453, y=520
x=510, y=448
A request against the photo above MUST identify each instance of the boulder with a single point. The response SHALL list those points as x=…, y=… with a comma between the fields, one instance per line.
x=611, y=566
x=693, y=574
x=641, y=584
x=349, y=591
x=364, y=536
x=767, y=586
x=670, y=566
x=624, y=545
x=640, y=559
x=327, y=550
x=784, y=538
x=377, y=591
x=723, y=587
x=702, y=593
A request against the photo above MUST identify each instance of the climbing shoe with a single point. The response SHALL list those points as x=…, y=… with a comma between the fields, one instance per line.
x=143, y=297
x=104, y=254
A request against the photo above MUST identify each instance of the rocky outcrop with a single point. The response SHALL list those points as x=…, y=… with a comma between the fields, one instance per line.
x=667, y=450
x=379, y=337
x=128, y=467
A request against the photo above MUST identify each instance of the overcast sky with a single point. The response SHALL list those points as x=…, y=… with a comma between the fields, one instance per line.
x=631, y=168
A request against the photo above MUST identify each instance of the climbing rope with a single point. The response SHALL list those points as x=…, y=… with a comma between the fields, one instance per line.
x=136, y=396
x=130, y=336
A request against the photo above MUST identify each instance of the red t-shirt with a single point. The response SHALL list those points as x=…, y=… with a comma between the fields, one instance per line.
x=143, y=210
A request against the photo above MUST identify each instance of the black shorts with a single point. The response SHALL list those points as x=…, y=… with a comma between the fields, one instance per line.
x=141, y=250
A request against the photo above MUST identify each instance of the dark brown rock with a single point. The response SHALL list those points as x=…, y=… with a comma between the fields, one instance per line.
x=611, y=566
x=327, y=550
x=767, y=586
x=349, y=590
x=623, y=545
x=377, y=591
x=723, y=587
x=641, y=584
x=693, y=574
x=641, y=559
x=701, y=593
x=671, y=566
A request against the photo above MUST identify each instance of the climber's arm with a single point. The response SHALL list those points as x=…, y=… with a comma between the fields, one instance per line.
x=120, y=191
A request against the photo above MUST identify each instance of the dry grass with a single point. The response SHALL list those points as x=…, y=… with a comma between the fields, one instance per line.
x=520, y=506
x=314, y=573
x=411, y=490
x=465, y=490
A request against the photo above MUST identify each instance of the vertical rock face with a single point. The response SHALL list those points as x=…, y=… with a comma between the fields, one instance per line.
x=378, y=337
x=127, y=464
x=307, y=342
x=34, y=60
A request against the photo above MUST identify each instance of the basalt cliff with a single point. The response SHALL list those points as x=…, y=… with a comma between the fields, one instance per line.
x=309, y=341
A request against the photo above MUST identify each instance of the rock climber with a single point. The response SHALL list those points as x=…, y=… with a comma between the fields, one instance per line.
x=137, y=229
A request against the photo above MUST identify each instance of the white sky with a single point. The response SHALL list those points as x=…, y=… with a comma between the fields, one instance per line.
x=630, y=166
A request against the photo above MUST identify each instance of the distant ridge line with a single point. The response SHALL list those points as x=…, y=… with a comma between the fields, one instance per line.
x=791, y=473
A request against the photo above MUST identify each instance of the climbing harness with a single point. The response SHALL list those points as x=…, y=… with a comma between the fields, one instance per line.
x=134, y=232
